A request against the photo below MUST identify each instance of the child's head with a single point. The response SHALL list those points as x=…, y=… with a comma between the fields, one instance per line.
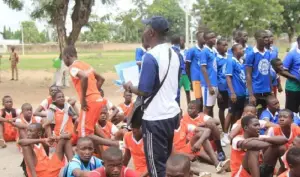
x=296, y=142
x=34, y=131
x=27, y=111
x=237, y=50
x=7, y=102
x=103, y=114
x=193, y=109
x=178, y=165
x=277, y=65
x=210, y=38
x=250, y=110
x=58, y=98
x=251, y=125
x=69, y=55
x=113, y=158
x=13, y=48
x=262, y=38
x=53, y=89
x=241, y=36
x=285, y=118
x=222, y=46
x=273, y=104
x=127, y=96
x=293, y=159
x=85, y=149
x=136, y=129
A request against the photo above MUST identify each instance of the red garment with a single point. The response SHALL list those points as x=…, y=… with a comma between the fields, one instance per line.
x=125, y=172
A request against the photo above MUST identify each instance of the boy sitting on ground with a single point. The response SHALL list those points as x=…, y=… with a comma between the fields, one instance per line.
x=293, y=159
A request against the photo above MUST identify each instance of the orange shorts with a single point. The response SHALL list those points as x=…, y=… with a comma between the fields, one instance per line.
x=88, y=119
x=242, y=173
x=55, y=165
x=188, y=150
x=197, y=89
x=74, y=139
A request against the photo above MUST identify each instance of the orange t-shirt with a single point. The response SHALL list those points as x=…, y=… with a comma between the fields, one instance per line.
x=201, y=119
x=276, y=131
x=237, y=155
x=180, y=137
x=10, y=132
x=109, y=129
x=59, y=117
x=285, y=174
x=34, y=119
x=127, y=109
x=41, y=167
x=136, y=149
x=92, y=93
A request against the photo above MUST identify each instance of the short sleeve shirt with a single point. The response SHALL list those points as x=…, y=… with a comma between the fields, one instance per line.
x=222, y=61
x=77, y=164
x=237, y=71
x=125, y=172
x=260, y=63
x=292, y=64
x=193, y=56
x=208, y=59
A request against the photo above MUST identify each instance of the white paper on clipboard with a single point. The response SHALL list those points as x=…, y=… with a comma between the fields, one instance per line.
x=131, y=74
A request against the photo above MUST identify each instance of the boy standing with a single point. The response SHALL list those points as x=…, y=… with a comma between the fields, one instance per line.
x=14, y=58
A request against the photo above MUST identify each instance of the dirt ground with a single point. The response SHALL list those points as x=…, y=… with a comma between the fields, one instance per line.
x=32, y=87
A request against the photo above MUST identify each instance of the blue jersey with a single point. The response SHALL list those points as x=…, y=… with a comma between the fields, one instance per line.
x=208, y=59
x=181, y=59
x=248, y=49
x=274, y=77
x=268, y=116
x=260, y=63
x=292, y=62
x=297, y=119
x=76, y=163
x=193, y=57
x=139, y=53
x=274, y=52
x=237, y=71
x=221, y=62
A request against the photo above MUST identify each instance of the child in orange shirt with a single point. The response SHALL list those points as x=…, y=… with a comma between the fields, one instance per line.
x=134, y=147
x=286, y=127
x=7, y=114
x=293, y=159
x=37, y=162
x=127, y=106
x=194, y=118
x=60, y=117
x=192, y=148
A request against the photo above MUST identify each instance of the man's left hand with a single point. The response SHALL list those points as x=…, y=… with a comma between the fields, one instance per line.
x=127, y=86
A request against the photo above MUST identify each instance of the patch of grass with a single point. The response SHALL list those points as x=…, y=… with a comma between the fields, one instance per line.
x=102, y=62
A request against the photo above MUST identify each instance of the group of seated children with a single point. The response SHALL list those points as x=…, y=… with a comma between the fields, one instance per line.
x=49, y=143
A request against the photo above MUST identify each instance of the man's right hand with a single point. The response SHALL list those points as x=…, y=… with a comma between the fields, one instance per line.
x=252, y=99
x=211, y=90
x=233, y=97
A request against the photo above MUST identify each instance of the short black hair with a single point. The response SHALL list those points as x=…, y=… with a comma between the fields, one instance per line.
x=293, y=156
x=291, y=114
x=250, y=105
x=206, y=33
x=194, y=102
x=237, y=34
x=234, y=47
x=270, y=98
x=112, y=153
x=219, y=41
x=70, y=50
x=26, y=105
x=246, y=120
x=199, y=33
x=84, y=139
x=175, y=40
x=274, y=61
x=179, y=160
x=259, y=33
x=5, y=97
x=55, y=94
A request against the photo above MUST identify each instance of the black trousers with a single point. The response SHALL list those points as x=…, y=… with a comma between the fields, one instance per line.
x=158, y=142
x=292, y=100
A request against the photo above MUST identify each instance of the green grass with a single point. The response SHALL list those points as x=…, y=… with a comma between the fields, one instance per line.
x=102, y=62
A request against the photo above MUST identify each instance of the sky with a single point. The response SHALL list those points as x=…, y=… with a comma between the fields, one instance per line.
x=12, y=18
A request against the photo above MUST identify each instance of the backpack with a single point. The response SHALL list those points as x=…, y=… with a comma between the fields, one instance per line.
x=95, y=164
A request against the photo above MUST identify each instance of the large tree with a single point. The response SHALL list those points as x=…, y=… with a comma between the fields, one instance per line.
x=223, y=16
x=55, y=11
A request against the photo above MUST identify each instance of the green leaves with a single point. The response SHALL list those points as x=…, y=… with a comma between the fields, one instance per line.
x=14, y=4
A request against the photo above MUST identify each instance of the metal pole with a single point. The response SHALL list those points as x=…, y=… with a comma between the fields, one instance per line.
x=23, y=51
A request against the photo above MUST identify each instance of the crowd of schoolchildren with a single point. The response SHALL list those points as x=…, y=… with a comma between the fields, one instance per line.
x=56, y=139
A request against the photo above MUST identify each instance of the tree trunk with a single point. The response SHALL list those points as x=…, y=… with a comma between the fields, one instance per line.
x=60, y=22
x=80, y=16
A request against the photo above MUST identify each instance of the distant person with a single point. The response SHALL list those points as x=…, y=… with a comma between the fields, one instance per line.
x=14, y=59
x=183, y=48
x=139, y=53
x=241, y=37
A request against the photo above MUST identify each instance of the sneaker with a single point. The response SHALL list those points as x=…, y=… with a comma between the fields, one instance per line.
x=222, y=166
x=223, y=144
x=2, y=143
x=221, y=156
x=225, y=138
x=205, y=174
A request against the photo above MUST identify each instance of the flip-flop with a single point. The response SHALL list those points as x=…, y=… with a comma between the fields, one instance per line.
x=205, y=174
x=2, y=143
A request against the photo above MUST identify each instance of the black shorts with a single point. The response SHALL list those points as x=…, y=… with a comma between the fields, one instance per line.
x=266, y=170
x=238, y=106
x=292, y=100
x=223, y=103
